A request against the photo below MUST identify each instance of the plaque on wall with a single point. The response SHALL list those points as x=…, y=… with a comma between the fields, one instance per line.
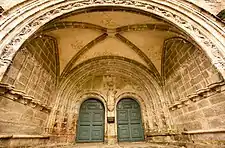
x=111, y=119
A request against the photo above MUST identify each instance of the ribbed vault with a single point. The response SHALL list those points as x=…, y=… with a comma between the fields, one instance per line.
x=90, y=39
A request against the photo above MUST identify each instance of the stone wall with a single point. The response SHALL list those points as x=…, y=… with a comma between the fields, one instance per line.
x=16, y=118
x=186, y=70
x=32, y=77
x=34, y=69
x=193, y=86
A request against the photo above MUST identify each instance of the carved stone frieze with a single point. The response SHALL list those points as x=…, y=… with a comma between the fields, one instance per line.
x=199, y=95
x=10, y=93
x=200, y=37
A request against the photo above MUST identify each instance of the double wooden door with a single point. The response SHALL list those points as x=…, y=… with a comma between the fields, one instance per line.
x=129, y=122
x=91, y=122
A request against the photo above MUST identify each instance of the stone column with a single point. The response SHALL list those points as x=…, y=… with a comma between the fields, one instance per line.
x=111, y=116
x=110, y=89
x=111, y=129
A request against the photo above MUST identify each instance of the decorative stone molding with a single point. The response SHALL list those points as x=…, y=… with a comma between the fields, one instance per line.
x=87, y=95
x=204, y=131
x=199, y=95
x=203, y=29
x=72, y=24
x=23, y=140
x=11, y=93
x=29, y=136
x=82, y=25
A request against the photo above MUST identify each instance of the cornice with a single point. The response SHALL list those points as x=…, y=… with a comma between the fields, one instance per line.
x=9, y=92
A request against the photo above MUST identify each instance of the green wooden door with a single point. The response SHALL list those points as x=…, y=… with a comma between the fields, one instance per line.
x=91, y=122
x=129, y=122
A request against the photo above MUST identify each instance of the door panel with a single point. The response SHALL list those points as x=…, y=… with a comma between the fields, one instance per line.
x=91, y=122
x=129, y=121
x=124, y=132
x=122, y=117
x=97, y=133
x=135, y=116
x=84, y=132
x=136, y=131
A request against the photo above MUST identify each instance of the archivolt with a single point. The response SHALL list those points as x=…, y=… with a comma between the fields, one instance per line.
x=80, y=98
x=111, y=65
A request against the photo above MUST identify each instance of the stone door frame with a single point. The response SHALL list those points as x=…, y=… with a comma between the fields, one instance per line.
x=140, y=101
x=103, y=105
x=82, y=99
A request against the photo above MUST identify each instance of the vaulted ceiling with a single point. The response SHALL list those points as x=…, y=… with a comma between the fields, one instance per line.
x=84, y=36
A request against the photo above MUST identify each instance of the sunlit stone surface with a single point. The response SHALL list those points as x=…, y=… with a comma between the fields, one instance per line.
x=112, y=74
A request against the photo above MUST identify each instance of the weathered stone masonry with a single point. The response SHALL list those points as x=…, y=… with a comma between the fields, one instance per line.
x=182, y=105
x=32, y=75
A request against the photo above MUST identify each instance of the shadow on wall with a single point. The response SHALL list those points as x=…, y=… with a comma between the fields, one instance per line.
x=221, y=15
x=1, y=9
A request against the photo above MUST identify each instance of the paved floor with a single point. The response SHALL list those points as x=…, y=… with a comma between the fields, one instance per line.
x=121, y=145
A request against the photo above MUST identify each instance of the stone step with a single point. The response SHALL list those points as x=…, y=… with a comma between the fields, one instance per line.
x=121, y=145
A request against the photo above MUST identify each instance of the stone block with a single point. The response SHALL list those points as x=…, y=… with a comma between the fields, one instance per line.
x=9, y=128
x=12, y=106
x=219, y=136
x=19, y=128
x=209, y=112
x=25, y=72
x=197, y=79
x=7, y=104
x=19, y=59
x=192, y=107
x=19, y=86
x=195, y=115
x=195, y=72
x=217, y=122
x=195, y=125
x=29, y=65
x=38, y=121
x=28, y=114
x=41, y=115
x=185, y=109
x=9, y=116
x=23, y=79
x=217, y=98
x=177, y=112
x=13, y=72
x=219, y=108
x=203, y=103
